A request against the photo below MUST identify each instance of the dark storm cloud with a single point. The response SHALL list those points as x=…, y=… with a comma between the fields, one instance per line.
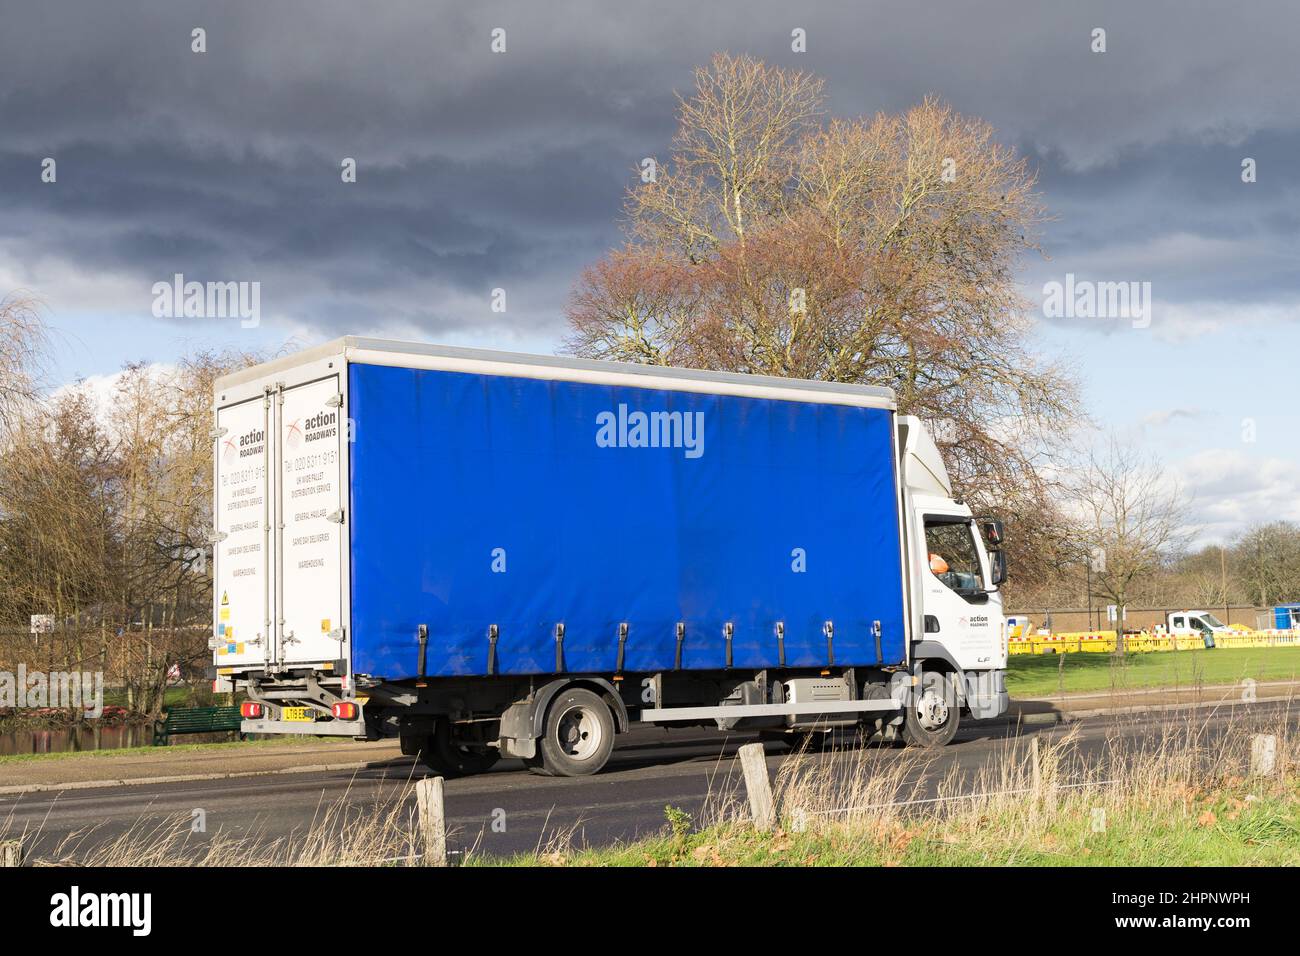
x=479, y=170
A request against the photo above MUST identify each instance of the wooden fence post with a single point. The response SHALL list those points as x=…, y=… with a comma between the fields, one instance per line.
x=433, y=820
x=1263, y=755
x=1043, y=780
x=753, y=762
x=11, y=853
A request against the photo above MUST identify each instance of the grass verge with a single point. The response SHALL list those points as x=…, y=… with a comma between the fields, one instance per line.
x=160, y=752
x=1040, y=675
x=1176, y=800
x=1228, y=826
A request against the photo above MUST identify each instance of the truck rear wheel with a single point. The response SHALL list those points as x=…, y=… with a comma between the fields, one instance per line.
x=931, y=718
x=448, y=759
x=578, y=737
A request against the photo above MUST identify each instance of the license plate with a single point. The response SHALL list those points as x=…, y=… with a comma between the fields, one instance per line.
x=301, y=714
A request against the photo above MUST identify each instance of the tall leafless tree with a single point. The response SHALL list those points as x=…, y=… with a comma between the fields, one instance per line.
x=23, y=342
x=1131, y=516
x=105, y=512
x=880, y=250
x=1268, y=556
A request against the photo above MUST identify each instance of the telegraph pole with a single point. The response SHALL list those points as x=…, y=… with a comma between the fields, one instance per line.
x=1087, y=564
x=1223, y=578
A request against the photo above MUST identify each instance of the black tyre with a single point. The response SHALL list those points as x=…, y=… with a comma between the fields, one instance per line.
x=578, y=738
x=878, y=725
x=448, y=759
x=933, y=713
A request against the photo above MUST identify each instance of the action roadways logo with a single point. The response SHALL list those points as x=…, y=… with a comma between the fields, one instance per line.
x=321, y=425
x=242, y=446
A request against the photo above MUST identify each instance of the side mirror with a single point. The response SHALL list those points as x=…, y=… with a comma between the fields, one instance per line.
x=998, y=560
x=993, y=534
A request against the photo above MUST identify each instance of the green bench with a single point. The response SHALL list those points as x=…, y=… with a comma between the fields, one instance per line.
x=196, y=720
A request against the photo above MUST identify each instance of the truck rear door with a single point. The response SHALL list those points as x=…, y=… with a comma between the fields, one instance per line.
x=241, y=551
x=310, y=502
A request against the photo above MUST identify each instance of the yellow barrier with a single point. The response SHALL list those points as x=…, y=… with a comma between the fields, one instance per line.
x=1075, y=642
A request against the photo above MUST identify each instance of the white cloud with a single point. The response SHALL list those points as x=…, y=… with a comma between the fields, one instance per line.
x=1162, y=417
x=1176, y=322
x=1229, y=490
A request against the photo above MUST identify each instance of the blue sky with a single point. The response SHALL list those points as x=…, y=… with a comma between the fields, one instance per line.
x=479, y=170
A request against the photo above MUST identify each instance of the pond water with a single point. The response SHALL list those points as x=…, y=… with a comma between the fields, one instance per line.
x=84, y=737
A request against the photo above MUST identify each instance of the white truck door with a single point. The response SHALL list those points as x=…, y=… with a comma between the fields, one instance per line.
x=310, y=505
x=241, y=552
x=955, y=593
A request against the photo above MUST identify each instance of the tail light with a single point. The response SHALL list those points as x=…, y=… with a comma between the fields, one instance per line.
x=344, y=710
x=250, y=710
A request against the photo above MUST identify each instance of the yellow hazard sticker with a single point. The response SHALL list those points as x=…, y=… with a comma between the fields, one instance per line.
x=225, y=614
x=225, y=598
x=325, y=625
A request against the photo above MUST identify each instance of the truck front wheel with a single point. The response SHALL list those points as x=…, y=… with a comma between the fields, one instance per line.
x=579, y=736
x=932, y=716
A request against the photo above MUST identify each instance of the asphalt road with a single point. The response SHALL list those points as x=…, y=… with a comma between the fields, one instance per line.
x=509, y=810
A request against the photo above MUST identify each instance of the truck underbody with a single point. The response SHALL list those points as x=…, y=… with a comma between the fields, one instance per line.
x=462, y=725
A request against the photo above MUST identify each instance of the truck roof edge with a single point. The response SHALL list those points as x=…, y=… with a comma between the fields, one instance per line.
x=354, y=346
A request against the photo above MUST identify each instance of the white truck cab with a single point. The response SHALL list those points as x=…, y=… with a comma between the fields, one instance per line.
x=955, y=577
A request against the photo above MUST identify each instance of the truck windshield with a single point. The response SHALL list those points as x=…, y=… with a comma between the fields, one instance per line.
x=1212, y=620
x=952, y=555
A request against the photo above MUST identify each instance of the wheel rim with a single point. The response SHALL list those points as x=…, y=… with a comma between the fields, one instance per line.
x=932, y=711
x=579, y=732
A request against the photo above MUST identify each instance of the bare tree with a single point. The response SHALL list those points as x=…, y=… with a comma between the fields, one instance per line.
x=23, y=340
x=1269, y=558
x=878, y=250
x=1203, y=589
x=162, y=419
x=1131, y=517
x=105, y=512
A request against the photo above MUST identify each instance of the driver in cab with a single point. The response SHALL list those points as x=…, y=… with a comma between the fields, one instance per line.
x=956, y=580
